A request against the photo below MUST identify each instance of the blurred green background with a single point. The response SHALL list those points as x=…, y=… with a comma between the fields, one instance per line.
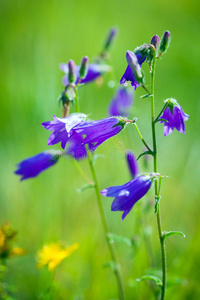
x=35, y=37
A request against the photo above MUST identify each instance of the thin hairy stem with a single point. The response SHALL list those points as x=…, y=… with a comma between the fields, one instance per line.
x=158, y=215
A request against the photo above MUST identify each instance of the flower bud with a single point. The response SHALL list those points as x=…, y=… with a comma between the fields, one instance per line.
x=164, y=44
x=83, y=67
x=71, y=74
x=134, y=65
x=112, y=33
x=132, y=164
x=155, y=41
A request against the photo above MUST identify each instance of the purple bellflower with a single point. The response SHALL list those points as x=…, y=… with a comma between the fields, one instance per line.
x=96, y=132
x=132, y=164
x=75, y=147
x=93, y=72
x=128, y=194
x=129, y=75
x=32, y=166
x=63, y=128
x=121, y=104
x=174, y=116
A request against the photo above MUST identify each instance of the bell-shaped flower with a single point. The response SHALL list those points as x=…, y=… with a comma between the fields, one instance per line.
x=96, y=132
x=75, y=147
x=32, y=166
x=173, y=117
x=128, y=194
x=63, y=128
x=121, y=104
x=92, y=73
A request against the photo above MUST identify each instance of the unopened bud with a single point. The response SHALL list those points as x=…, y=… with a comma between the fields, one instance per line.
x=71, y=74
x=83, y=67
x=155, y=41
x=164, y=44
x=134, y=65
x=112, y=33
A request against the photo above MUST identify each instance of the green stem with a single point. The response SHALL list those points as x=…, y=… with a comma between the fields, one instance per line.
x=159, y=225
x=106, y=229
x=103, y=219
x=77, y=107
x=141, y=137
x=81, y=172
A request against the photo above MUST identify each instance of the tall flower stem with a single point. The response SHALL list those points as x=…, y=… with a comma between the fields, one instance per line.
x=116, y=268
x=157, y=192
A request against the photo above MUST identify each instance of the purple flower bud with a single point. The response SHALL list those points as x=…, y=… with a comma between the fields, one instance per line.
x=129, y=75
x=174, y=116
x=164, y=44
x=112, y=33
x=155, y=41
x=83, y=67
x=132, y=164
x=34, y=165
x=121, y=104
x=71, y=74
x=128, y=194
x=93, y=72
x=134, y=65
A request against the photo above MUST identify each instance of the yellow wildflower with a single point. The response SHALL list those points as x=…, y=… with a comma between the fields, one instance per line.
x=52, y=255
x=18, y=251
x=7, y=235
x=2, y=238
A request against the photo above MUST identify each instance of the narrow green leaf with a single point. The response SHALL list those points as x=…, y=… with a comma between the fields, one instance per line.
x=146, y=96
x=151, y=277
x=145, y=153
x=158, y=120
x=169, y=233
x=85, y=187
x=111, y=264
x=118, y=238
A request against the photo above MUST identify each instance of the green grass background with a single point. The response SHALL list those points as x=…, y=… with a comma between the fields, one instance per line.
x=35, y=37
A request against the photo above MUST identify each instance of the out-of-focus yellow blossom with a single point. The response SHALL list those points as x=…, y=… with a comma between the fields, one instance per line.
x=7, y=234
x=52, y=255
x=18, y=251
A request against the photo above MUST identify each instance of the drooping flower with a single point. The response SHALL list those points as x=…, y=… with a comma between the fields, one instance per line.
x=132, y=164
x=96, y=132
x=93, y=72
x=75, y=147
x=122, y=103
x=63, y=128
x=128, y=194
x=129, y=74
x=32, y=166
x=174, y=116
x=53, y=254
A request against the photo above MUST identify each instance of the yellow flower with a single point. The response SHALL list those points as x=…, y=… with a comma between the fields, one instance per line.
x=2, y=238
x=18, y=251
x=52, y=255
